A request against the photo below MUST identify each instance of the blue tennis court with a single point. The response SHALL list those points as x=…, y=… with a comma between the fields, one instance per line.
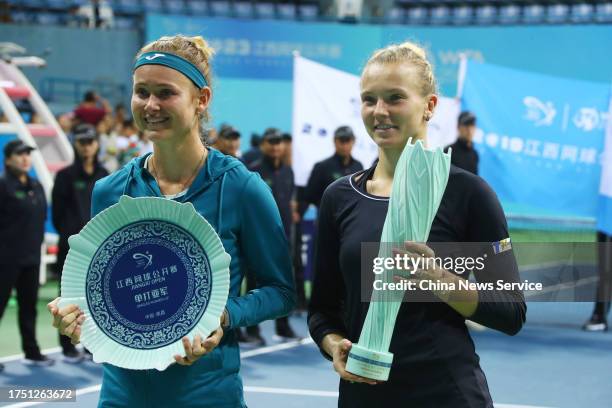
x=550, y=363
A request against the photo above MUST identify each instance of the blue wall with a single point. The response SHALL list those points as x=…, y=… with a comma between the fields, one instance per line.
x=90, y=55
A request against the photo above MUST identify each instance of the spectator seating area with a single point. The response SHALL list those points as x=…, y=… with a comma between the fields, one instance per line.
x=496, y=12
x=128, y=13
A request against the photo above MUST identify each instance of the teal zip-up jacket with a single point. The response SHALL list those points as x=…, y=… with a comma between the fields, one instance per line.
x=241, y=209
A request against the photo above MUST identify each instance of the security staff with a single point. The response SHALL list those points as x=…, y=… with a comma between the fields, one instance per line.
x=71, y=203
x=280, y=179
x=276, y=175
x=599, y=319
x=253, y=154
x=329, y=170
x=464, y=155
x=229, y=141
x=23, y=210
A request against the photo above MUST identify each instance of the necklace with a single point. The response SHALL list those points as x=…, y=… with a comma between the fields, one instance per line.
x=188, y=182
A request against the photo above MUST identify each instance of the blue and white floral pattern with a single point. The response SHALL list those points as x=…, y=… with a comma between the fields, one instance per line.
x=126, y=240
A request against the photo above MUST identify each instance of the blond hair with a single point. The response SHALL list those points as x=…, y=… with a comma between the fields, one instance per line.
x=194, y=49
x=412, y=54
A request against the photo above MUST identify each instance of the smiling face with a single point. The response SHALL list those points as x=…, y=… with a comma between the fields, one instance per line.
x=166, y=104
x=392, y=108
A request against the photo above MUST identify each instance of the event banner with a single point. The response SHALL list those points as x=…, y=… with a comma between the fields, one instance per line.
x=325, y=98
x=264, y=49
x=604, y=216
x=540, y=139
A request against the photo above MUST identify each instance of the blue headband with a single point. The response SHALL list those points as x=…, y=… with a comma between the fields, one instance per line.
x=175, y=62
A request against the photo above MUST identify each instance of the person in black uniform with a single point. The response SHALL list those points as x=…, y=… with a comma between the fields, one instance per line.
x=23, y=210
x=464, y=155
x=340, y=164
x=599, y=319
x=71, y=203
x=280, y=179
x=229, y=141
x=254, y=153
x=435, y=364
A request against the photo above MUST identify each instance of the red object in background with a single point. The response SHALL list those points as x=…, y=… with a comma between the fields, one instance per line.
x=17, y=92
x=52, y=250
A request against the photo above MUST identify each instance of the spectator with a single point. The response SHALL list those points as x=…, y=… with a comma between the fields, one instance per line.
x=120, y=115
x=329, y=170
x=464, y=155
x=23, y=209
x=71, y=203
x=211, y=136
x=287, y=149
x=253, y=154
x=65, y=121
x=280, y=179
x=92, y=110
x=96, y=14
x=229, y=141
x=599, y=318
x=109, y=141
x=127, y=142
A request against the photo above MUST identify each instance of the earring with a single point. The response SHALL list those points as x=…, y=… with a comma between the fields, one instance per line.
x=427, y=116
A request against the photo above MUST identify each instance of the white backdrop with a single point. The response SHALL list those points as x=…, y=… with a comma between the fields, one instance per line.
x=325, y=98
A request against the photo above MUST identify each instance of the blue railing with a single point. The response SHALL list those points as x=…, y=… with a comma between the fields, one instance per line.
x=67, y=90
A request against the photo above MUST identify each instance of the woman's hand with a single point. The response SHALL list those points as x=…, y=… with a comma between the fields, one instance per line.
x=340, y=348
x=199, y=348
x=67, y=320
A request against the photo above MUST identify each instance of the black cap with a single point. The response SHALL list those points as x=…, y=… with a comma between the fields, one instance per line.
x=272, y=134
x=344, y=133
x=287, y=137
x=16, y=146
x=229, y=132
x=466, y=118
x=84, y=131
x=255, y=140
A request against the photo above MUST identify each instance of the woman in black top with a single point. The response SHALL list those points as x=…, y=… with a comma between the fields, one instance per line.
x=71, y=203
x=435, y=364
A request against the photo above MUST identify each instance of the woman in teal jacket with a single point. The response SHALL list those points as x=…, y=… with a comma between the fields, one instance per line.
x=170, y=100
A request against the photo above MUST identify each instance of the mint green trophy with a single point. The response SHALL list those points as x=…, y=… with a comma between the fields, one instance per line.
x=419, y=182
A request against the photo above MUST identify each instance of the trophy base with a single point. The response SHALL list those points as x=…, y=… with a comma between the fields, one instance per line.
x=372, y=364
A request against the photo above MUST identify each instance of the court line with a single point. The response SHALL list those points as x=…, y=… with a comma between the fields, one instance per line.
x=550, y=264
x=334, y=394
x=246, y=354
x=276, y=347
x=255, y=389
x=517, y=406
x=19, y=356
x=561, y=286
x=95, y=388
x=291, y=391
